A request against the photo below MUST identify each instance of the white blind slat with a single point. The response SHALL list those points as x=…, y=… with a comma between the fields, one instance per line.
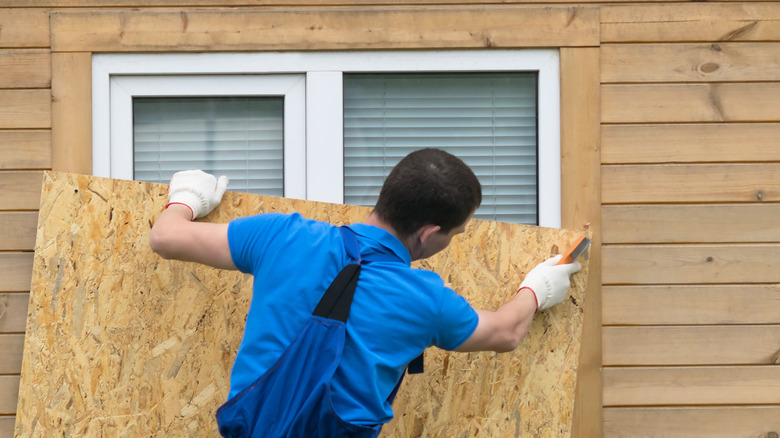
x=487, y=119
x=241, y=137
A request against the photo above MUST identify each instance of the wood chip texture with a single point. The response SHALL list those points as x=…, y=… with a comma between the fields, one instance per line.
x=120, y=342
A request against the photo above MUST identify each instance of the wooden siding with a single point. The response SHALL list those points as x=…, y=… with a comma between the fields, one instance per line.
x=690, y=113
x=686, y=95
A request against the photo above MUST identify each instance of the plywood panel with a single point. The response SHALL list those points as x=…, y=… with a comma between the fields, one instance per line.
x=692, y=422
x=170, y=352
x=690, y=264
x=30, y=68
x=693, y=304
x=17, y=25
x=13, y=312
x=703, y=62
x=9, y=390
x=679, y=143
x=697, y=223
x=25, y=109
x=325, y=28
x=20, y=190
x=689, y=183
x=692, y=386
x=17, y=230
x=28, y=149
x=692, y=345
x=703, y=102
x=71, y=87
x=746, y=21
x=15, y=271
x=11, y=345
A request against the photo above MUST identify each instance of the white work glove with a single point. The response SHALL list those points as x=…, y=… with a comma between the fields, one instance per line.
x=198, y=190
x=549, y=282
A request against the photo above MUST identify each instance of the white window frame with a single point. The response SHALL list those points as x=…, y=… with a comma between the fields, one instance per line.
x=316, y=167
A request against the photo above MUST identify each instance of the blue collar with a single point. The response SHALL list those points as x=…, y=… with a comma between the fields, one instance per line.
x=377, y=240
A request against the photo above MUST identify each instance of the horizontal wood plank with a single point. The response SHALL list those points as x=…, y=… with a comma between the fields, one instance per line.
x=703, y=62
x=692, y=304
x=25, y=109
x=20, y=190
x=311, y=28
x=692, y=345
x=696, y=142
x=12, y=346
x=28, y=68
x=28, y=149
x=24, y=27
x=690, y=264
x=747, y=21
x=17, y=230
x=9, y=393
x=692, y=386
x=687, y=183
x=680, y=103
x=7, y=426
x=697, y=223
x=13, y=312
x=15, y=271
x=692, y=422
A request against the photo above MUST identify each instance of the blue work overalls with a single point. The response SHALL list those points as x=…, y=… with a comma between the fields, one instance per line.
x=293, y=398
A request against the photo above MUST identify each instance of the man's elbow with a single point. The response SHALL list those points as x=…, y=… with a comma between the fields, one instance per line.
x=160, y=243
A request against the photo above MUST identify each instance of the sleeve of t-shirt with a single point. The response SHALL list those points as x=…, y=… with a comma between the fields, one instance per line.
x=248, y=238
x=457, y=321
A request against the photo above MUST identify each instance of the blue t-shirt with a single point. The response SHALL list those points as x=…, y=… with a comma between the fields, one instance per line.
x=397, y=311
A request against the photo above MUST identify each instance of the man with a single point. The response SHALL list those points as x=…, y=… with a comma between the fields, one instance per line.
x=396, y=313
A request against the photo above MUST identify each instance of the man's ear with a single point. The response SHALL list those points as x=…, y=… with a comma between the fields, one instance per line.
x=426, y=232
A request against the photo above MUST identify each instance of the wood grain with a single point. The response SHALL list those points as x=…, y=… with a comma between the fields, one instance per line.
x=311, y=28
x=15, y=271
x=691, y=304
x=685, y=143
x=696, y=223
x=92, y=344
x=702, y=62
x=13, y=312
x=689, y=183
x=25, y=109
x=28, y=68
x=18, y=230
x=690, y=264
x=9, y=390
x=710, y=22
x=698, y=102
x=691, y=345
x=13, y=344
x=25, y=149
x=691, y=385
x=21, y=190
x=692, y=422
x=18, y=23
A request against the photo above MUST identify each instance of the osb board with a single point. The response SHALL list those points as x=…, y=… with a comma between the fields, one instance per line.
x=122, y=343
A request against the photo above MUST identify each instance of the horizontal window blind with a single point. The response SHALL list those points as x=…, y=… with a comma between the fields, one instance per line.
x=489, y=120
x=241, y=137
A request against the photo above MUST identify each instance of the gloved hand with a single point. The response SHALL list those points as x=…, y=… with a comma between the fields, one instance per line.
x=549, y=282
x=198, y=190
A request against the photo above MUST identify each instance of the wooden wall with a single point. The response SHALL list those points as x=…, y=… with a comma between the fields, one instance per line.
x=690, y=184
x=670, y=119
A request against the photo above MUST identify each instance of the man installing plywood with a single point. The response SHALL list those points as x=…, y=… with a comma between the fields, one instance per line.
x=337, y=313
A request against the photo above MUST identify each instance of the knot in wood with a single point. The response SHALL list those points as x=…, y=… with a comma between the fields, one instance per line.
x=709, y=67
x=771, y=435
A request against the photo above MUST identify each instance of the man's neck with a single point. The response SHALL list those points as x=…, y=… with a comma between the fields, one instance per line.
x=374, y=220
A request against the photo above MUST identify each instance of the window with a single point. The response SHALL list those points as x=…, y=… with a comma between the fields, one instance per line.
x=329, y=126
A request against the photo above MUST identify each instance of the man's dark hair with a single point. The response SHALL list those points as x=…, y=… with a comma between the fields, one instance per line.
x=428, y=186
